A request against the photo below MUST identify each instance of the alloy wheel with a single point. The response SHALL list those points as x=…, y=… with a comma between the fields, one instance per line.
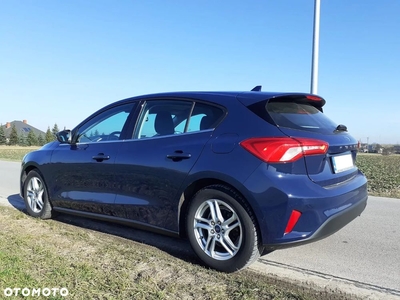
x=35, y=191
x=218, y=229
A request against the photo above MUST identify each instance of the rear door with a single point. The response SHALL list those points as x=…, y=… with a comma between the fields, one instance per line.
x=152, y=166
x=302, y=117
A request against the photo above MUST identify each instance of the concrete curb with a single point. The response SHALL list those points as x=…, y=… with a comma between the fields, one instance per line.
x=323, y=282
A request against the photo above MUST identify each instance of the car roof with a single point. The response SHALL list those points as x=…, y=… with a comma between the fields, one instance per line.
x=217, y=97
x=246, y=97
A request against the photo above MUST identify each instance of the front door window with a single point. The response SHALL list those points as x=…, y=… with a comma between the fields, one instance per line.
x=107, y=126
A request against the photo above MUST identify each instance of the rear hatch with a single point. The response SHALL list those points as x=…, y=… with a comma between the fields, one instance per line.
x=300, y=117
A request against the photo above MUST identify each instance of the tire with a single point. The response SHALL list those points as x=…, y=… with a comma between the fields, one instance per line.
x=222, y=230
x=36, y=197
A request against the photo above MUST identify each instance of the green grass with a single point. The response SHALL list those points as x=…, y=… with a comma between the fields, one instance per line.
x=382, y=172
x=94, y=265
x=14, y=153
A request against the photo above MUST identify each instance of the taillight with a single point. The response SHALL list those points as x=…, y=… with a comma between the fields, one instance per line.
x=283, y=149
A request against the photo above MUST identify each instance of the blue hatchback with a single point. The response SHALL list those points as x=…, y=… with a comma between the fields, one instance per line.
x=239, y=174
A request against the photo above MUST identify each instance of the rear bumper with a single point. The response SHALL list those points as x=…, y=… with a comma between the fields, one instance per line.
x=330, y=226
x=323, y=210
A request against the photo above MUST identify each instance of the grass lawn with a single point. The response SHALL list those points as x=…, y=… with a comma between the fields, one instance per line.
x=93, y=265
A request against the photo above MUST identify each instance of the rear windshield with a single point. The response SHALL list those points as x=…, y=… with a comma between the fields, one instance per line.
x=300, y=116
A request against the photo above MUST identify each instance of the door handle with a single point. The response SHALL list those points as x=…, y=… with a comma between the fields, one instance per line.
x=179, y=155
x=100, y=157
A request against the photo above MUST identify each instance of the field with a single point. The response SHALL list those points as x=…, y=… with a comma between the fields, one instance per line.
x=382, y=171
x=15, y=153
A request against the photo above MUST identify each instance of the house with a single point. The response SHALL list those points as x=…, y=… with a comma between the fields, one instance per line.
x=22, y=127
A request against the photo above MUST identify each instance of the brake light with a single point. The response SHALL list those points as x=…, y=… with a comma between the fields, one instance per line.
x=283, y=149
x=294, y=217
x=313, y=98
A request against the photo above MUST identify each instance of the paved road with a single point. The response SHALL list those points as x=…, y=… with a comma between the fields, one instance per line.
x=364, y=254
x=9, y=183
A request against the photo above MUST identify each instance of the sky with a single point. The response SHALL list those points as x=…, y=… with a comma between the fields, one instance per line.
x=60, y=61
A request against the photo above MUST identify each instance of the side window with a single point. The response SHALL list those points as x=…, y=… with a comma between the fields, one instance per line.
x=204, y=117
x=194, y=123
x=172, y=117
x=107, y=126
x=162, y=117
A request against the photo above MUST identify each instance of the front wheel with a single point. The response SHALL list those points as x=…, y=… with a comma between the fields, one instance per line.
x=35, y=196
x=222, y=229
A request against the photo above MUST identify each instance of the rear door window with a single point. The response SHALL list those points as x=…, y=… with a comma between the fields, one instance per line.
x=203, y=117
x=172, y=117
x=160, y=118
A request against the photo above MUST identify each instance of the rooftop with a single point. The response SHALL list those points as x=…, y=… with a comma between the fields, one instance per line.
x=22, y=127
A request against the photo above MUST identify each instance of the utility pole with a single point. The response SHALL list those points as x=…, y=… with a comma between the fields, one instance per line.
x=315, y=51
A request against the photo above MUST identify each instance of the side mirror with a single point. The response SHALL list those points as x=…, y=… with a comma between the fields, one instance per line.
x=64, y=136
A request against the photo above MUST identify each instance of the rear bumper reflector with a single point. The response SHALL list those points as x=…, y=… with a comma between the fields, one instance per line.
x=294, y=217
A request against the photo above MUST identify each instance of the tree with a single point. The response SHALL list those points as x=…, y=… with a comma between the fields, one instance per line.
x=49, y=136
x=22, y=140
x=3, y=139
x=55, y=129
x=40, y=140
x=13, y=139
x=32, y=139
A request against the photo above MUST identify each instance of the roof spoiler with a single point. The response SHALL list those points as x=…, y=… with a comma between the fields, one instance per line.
x=257, y=88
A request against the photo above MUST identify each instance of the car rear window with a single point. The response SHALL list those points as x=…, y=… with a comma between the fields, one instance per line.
x=300, y=116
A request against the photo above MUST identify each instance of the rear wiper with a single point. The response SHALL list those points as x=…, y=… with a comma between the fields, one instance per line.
x=341, y=127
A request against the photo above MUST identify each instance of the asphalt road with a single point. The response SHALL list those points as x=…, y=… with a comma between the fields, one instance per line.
x=363, y=255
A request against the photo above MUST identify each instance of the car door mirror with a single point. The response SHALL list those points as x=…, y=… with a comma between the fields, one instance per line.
x=64, y=136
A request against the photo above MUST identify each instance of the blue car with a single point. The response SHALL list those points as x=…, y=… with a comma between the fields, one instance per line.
x=239, y=174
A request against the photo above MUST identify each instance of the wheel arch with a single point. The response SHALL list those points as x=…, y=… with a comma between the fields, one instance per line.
x=201, y=183
x=24, y=173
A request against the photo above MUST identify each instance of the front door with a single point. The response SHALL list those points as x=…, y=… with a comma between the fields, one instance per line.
x=83, y=173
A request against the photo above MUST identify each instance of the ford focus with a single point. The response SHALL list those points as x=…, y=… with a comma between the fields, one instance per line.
x=238, y=174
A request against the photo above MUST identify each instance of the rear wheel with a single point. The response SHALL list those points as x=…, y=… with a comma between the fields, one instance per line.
x=36, y=197
x=222, y=230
